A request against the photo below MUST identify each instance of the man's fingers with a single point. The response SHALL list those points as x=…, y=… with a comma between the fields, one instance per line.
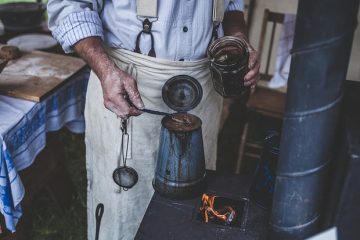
x=253, y=58
x=111, y=107
x=133, y=93
x=252, y=73
x=121, y=95
x=121, y=107
x=253, y=61
x=252, y=81
x=125, y=107
x=134, y=111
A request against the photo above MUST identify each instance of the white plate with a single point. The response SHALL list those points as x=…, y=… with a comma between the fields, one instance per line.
x=33, y=41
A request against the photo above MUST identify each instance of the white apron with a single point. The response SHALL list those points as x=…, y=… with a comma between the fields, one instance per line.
x=124, y=210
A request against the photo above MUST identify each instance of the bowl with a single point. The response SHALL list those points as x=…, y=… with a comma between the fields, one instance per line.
x=22, y=16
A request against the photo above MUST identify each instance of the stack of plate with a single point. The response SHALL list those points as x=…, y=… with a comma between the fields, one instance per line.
x=33, y=42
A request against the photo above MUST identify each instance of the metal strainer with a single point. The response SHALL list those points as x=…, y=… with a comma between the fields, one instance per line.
x=124, y=176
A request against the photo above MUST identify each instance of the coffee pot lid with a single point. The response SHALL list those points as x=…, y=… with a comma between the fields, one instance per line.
x=182, y=93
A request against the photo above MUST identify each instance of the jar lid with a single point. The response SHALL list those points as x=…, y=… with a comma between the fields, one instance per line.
x=182, y=93
x=228, y=51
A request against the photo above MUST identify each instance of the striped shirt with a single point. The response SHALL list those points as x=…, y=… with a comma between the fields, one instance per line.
x=182, y=31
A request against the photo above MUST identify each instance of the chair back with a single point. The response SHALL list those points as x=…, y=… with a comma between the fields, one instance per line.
x=274, y=19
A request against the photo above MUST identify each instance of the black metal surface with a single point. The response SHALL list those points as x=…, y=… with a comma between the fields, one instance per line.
x=154, y=112
x=239, y=206
x=175, y=219
x=182, y=93
x=22, y=16
x=98, y=216
x=322, y=44
x=344, y=208
x=262, y=188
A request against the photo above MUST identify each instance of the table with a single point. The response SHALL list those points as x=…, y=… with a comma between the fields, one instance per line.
x=23, y=128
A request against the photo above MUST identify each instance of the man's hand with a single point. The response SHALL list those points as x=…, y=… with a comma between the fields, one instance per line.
x=120, y=92
x=234, y=25
x=252, y=76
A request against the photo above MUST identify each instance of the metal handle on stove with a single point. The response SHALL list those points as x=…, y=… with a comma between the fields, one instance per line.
x=98, y=215
x=154, y=112
x=145, y=110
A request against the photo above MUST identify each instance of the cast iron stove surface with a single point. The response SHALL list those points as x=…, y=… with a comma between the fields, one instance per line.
x=177, y=219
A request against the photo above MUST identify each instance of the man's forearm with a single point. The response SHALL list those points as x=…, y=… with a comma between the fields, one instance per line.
x=115, y=83
x=92, y=51
x=234, y=25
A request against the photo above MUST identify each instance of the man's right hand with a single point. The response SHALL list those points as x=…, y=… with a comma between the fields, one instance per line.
x=120, y=92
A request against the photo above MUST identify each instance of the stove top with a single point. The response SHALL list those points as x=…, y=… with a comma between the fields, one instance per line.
x=178, y=219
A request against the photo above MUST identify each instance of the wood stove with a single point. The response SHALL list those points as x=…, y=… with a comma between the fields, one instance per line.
x=181, y=219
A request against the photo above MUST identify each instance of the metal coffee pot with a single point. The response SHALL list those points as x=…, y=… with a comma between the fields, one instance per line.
x=180, y=170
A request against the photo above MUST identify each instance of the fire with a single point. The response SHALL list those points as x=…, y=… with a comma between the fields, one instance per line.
x=225, y=214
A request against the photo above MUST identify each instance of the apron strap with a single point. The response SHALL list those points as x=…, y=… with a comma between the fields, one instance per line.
x=146, y=9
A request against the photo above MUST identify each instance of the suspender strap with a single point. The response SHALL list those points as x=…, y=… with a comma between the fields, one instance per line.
x=146, y=8
x=217, y=16
x=218, y=12
x=147, y=30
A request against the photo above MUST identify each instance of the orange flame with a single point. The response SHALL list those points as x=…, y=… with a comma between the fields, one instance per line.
x=227, y=214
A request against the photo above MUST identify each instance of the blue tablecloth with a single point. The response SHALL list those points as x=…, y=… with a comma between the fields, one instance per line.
x=23, y=127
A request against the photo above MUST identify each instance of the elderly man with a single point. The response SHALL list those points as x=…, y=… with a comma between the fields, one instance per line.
x=108, y=36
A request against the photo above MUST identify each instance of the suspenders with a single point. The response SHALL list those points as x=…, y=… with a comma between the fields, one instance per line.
x=217, y=17
x=146, y=30
x=147, y=9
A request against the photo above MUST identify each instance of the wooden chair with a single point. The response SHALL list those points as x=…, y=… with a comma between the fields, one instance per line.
x=263, y=101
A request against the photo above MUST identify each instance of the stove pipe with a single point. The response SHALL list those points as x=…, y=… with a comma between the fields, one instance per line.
x=321, y=51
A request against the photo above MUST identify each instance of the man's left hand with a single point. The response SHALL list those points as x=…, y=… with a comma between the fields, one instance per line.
x=253, y=75
x=234, y=25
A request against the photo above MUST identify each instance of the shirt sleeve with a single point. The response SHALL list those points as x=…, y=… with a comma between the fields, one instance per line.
x=235, y=5
x=71, y=21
